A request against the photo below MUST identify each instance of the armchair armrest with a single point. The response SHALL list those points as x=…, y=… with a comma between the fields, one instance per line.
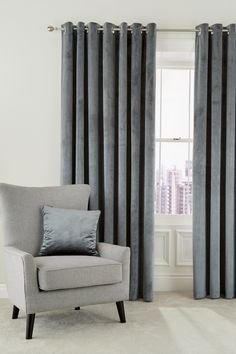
x=21, y=276
x=120, y=254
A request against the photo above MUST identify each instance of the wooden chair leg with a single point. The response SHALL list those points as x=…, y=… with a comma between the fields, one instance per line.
x=121, y=311
x=77, y=308
x=30, y=325
x=15, y=312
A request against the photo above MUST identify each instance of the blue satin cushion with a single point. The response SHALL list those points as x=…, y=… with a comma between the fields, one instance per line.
x=69, y=232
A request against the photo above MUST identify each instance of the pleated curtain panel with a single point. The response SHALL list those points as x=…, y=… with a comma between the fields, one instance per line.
x=214, y=162
x=108, y=125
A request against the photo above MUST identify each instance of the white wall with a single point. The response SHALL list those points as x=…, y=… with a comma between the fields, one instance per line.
x=30, y=72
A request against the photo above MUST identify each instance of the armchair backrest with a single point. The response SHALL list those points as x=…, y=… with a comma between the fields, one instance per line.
x=20, y=211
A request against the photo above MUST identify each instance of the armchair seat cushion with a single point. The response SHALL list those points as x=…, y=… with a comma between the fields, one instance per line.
x=67, y=272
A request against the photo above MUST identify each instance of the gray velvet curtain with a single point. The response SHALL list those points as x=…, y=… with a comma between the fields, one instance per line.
x=108, y=121
x=214, y=163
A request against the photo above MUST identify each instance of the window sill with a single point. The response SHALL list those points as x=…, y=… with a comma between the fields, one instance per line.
x=161, y=219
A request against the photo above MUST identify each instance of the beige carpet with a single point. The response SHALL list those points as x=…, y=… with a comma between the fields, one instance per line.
x=173, y=323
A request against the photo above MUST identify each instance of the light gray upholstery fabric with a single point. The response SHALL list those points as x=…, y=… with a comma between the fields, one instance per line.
x=21, y=275
x=69, y=231
x=20, y=210
x=23, y=290
x=110, y=109
x=214, y=162
x=20, y=265
x=68, y=272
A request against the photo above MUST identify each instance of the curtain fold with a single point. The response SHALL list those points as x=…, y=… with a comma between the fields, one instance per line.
x=214, y=162
x=109, y=130
x=230, y=166
x=108, y=125
x=67, y=105
x=122, y=136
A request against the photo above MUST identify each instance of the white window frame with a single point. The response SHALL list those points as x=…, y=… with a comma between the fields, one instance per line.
x=174, y=219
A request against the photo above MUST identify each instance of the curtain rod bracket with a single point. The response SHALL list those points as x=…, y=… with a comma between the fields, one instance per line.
x=52, y=28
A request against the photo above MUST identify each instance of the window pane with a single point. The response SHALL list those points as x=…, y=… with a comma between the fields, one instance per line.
x=191, y=158
x=157, y=179
x=175, y=103
x=158, y=102
x=173, y=192
x=191, y=103
x=189, y=208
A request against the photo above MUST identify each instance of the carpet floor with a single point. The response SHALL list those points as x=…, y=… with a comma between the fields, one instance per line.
x=173, y=324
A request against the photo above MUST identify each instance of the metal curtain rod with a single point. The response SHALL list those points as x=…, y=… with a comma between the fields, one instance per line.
x=51, y=28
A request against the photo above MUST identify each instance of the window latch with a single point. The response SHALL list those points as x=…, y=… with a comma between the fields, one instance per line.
x=176, y=139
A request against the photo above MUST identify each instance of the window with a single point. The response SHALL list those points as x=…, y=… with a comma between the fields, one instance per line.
x=174, y=140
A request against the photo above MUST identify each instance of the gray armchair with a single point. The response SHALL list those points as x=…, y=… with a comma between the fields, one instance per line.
x=37, y=284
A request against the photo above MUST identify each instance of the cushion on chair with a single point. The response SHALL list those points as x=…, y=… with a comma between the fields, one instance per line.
x=69, y=232
x=67, y=272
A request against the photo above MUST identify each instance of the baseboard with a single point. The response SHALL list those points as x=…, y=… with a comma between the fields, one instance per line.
x=3, y=291
x=173, y=283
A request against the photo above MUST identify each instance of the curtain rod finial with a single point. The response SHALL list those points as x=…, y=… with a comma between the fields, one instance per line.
x=51, y=28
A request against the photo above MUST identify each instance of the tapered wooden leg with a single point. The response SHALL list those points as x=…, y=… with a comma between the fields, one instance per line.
x=30, y=325
x=77, y=308
x=121, y=311
x=15, y=312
